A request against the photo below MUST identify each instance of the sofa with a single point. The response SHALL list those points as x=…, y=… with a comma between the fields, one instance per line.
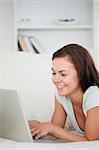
x=30, y=75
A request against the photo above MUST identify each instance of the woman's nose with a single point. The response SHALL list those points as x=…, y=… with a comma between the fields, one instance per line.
x=57, y=79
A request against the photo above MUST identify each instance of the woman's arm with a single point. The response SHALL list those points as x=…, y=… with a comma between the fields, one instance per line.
x=56, y=127
x=50, y=128
x=59, y=115
x=91, y=128
x=92, y=124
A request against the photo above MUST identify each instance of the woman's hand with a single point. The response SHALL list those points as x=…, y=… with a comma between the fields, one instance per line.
x=40, y=129
x=33, y=123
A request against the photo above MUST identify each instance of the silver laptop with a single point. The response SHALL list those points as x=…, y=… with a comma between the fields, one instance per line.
x=13, y=122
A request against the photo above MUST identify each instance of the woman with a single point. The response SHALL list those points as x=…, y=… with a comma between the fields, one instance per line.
x=77, y=82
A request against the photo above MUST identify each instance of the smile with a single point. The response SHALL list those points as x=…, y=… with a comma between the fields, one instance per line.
x=60, y=87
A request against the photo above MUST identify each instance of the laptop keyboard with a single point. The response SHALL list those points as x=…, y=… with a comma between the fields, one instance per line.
x=50, y=139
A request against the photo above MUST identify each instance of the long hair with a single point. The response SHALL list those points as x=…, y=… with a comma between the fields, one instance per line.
x=84, y=64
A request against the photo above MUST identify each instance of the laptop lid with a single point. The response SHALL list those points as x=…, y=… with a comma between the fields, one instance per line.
x=13, y=124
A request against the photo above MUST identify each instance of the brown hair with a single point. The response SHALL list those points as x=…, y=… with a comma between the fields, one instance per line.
x=79, y=56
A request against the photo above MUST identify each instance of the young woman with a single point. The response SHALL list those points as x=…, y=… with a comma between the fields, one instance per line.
x=77, y=82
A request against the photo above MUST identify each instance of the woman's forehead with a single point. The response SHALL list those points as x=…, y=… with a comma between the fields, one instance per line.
x=62, y=63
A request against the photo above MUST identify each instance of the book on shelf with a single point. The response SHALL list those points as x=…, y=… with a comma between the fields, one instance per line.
x=24, y=44
x=37, y=45
x=30, y=44
x=19, y=47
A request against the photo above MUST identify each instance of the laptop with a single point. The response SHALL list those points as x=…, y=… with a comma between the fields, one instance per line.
x=13, y=122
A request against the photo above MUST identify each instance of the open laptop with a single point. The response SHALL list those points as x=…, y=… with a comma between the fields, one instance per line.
x=13, y=123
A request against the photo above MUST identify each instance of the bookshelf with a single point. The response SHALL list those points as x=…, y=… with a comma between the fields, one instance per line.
x=40, y=19
x=55, y=27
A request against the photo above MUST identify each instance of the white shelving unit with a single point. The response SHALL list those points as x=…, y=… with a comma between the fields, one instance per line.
x=38, y=18
x=82, y=27
x=7, y=26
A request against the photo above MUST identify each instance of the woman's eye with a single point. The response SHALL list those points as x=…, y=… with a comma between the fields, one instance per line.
x=63, y=74
x=53, y=73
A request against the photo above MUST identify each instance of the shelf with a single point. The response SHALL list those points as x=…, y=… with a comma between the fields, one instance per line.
x=41, y=20
x=65, y=27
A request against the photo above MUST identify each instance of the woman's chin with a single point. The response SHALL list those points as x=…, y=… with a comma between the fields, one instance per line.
x=61, y=93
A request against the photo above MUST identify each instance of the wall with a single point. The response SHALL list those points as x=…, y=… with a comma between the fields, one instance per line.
x=96, y=30
x=7, y=25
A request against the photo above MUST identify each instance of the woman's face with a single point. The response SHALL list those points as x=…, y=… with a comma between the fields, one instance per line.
x=64, y=76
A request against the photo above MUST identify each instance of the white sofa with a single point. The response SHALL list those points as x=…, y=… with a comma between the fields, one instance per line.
x=30, y=74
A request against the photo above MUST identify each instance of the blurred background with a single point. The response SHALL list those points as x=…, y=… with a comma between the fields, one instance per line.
x=43, y=26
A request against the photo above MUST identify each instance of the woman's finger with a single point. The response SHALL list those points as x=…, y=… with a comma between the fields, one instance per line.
x=35, y=131
x=39, y=135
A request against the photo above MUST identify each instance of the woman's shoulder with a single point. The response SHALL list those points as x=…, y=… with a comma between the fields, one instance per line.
x=92, y=90
x=91, y=98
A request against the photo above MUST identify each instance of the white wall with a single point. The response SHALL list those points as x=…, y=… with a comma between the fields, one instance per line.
x=7, y=25
x=96, y=29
